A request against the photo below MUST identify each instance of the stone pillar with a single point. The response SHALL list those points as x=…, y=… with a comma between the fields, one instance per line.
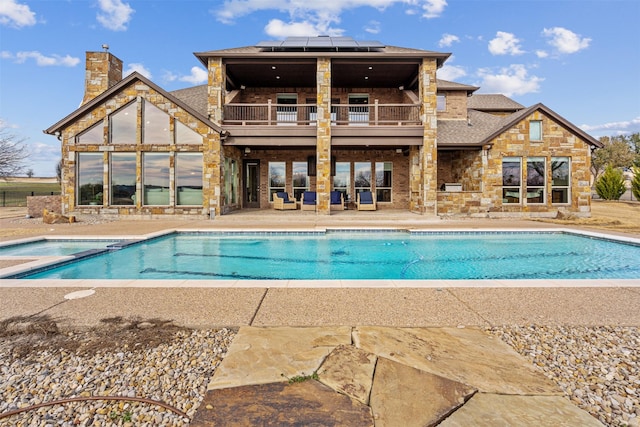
x=212, y=143
x=428, y=151
x=103, y=70
x=323, y=136
x=216, y=90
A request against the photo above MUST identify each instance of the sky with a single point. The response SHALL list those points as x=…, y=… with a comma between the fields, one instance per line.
x=580, y=58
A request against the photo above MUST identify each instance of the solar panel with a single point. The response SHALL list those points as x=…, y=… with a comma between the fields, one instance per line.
x=320, y=42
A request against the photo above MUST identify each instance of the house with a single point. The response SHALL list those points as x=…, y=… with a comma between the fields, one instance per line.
x=321, y=114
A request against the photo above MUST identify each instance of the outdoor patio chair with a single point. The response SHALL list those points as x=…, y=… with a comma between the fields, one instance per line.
x=337, y=201
x=281, y=201
x=365, y=201
x=308, y=201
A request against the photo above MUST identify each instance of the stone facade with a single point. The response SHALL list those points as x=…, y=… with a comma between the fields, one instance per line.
x=103, y=70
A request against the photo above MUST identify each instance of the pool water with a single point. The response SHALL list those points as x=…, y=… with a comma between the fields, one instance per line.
x=54, y=247
x=347, y=255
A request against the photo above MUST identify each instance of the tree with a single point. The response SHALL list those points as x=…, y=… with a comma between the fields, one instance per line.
x=13, y=152
x=610, y=186
x=635, y=183
x=617, y=152
x=30, y=173
x=59, y=171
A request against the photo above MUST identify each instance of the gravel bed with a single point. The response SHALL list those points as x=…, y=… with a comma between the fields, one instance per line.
x=146, y=359
x=598, y=368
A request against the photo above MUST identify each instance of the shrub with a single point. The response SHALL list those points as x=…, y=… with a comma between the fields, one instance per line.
x=635, y=183
x=610, y=186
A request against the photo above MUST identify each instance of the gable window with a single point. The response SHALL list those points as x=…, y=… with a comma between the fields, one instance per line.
x=535, y=179
x=123, y=178
x=90, y=178
x=535, y=130
x=156, y=125
x=189, y=179
x=277, y=178
x=92, y=136
x=123, y=124
x=362, y=176
x=511, y=179
x=441, y=102
x=383, y=181
x=300, y=179
x=155, y=178
x=560, y=174
x=342, y=179
x=186, y=135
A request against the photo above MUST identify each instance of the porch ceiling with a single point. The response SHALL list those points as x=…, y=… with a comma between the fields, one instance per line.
x=345, y=73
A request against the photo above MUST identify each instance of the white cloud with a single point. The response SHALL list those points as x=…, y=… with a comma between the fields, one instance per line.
x=314, y=17
x=115, y=14
x=512, y=80
x=447, y=40
x=41, y=60
x=373, y=27
x=618, y=128
x=565, y=41
x=198, y=76
x=542, y=53
x=450, y=72
x=140, y=68
x=15, y=14
x=505, y=44
x=279, y=29
x=39, y=151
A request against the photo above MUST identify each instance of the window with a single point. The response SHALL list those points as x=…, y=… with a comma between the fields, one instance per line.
x=560, y=174
x=362, y=176
x=383, y=181
x=189, y=179
x=441, y=102
x=186, y=135
x=342, y=179
x=535, y=130
x=156, y=125
x=535, y=179
x=93, y=135
x=123, y=178
x=277, y=178
x=300, y=179
x=359, y=110
x=155, y=179
x=123, y=125
x=90, y=174
x=230, y=181
x=286, y=108
x=511, y=177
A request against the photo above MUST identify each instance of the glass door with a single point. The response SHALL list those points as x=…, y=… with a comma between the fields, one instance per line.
x=251, y=184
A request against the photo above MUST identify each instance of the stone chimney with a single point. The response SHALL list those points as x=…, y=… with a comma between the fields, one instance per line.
x=103, y=70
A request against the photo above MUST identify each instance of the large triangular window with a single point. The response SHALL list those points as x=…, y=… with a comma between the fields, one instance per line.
x=156, y=125
x=123, y=125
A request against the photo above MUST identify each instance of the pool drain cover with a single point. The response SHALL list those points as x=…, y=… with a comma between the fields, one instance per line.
x=80, y=294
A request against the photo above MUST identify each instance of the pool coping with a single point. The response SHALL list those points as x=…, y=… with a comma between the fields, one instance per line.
x=45, y=261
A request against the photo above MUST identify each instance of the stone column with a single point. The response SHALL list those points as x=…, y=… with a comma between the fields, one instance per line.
x=102, y=70
x=212, y=145
x=428, y=151
x=323, y=136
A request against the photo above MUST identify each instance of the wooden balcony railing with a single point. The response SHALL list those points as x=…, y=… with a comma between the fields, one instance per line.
x=305, y=114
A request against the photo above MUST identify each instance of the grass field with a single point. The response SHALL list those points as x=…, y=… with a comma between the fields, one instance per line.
x=14, y=192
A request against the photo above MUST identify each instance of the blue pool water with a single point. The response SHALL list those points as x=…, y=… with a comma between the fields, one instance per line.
x=54, y=247
x=347, y=255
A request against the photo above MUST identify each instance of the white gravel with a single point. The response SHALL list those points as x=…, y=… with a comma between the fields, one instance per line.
x=598, y=368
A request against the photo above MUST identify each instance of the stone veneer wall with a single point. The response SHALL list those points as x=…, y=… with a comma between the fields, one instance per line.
x=323, y=135
x=461, y=203
x=36, y=204
x=456, y=105
x=557, y=142
x=135, y=92
x=103, y=70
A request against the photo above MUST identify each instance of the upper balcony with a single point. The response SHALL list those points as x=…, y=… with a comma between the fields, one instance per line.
x=271, y=114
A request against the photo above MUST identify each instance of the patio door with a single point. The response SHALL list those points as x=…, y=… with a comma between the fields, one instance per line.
x=251, y=178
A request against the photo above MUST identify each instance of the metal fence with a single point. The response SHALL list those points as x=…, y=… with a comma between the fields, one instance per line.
x=10, y=198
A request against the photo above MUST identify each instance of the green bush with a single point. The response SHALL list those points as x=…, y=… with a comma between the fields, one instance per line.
x=610, y=186
x=635, y=183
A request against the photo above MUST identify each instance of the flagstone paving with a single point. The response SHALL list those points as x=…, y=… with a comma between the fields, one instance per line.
x=380, y=376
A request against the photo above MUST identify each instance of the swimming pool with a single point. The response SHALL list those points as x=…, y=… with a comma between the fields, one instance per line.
x=357, y=255
x=54, y=247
